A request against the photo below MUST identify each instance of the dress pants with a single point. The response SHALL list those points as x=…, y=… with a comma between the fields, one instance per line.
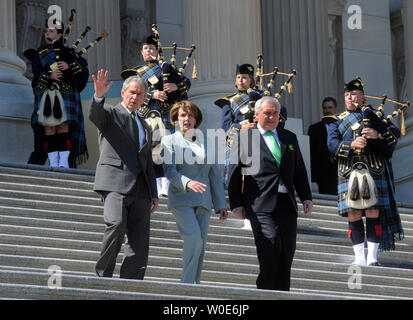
x=275, y=235
x=192, y=223
x=126, y=214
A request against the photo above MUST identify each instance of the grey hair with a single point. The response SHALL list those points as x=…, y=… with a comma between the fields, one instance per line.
x=264, y=100
x=136, y=79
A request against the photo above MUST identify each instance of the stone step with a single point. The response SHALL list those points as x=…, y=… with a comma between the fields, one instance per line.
x=29, y=181
x=146, y=289
x=48, y=189
x=33, y=171
x=306, y=225
x=223, y=261
x=48, y=172
x=67, y=193
x=225, y=252
x=216, y=228
x=52, y=217
x=328, y=293
x=298, y=283
x=62, y=230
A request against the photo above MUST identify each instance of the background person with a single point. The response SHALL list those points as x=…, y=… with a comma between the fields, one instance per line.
x=323, y=163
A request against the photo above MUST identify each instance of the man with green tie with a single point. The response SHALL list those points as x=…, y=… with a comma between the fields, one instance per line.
x=124, y=177
x=267, y=195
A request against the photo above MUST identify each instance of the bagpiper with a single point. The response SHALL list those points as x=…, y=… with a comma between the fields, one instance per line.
x=59, y=75
x=363, y=144
x=238, y=108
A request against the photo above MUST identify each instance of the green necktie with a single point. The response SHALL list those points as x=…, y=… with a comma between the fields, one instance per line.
x=135, y=128
x=275, y=149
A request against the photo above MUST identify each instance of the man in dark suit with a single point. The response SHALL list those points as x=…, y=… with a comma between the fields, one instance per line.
x=263, y=190
x=323, y=164
x=124, y=177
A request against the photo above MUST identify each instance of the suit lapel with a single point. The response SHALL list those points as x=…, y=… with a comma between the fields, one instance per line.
x=147, y=131
x=283, y=142
x=126, y=124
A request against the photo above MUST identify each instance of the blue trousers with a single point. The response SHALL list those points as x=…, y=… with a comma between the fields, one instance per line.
x=192, y=223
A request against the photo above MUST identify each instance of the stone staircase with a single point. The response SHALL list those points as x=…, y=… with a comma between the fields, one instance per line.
x=51, y=227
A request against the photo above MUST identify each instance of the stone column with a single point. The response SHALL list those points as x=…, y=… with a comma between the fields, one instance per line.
x=225, y=33
x=402, y=158
x=99, y=15
x=295, y=36
x=16, y=103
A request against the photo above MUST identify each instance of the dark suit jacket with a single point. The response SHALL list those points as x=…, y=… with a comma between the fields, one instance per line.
x=261, y=188
x=120, y=160
x=323, y=164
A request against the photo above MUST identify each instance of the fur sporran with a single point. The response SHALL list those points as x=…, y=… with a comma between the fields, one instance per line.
x=361, y=188
x=52, y=109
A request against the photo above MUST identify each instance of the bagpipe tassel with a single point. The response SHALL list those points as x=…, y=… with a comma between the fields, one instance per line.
x=403, y=125
x=57, y=108
x=354, y=192
x=194, y=70
x=365, y=189
x=47, y=111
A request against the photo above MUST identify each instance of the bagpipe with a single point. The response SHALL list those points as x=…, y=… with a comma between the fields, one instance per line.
x=374, y=116
x=174, y=49
x=73, y=49
x=165, y=71
x=260, y=76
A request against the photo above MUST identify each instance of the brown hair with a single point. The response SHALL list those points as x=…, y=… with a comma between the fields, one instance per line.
x=187, y=106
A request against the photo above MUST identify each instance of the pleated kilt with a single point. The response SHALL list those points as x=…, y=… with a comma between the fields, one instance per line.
x=390, y=222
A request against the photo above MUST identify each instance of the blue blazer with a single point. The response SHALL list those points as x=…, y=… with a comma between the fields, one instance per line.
x=184, y=161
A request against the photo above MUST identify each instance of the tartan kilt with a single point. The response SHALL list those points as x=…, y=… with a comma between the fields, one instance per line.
x=386, y=204
x=75, y=119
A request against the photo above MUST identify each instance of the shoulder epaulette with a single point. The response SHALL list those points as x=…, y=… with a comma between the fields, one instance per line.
x=29, y=53
x=329, y=118
x=128, y=73
x=221, y=102
x=343, y=115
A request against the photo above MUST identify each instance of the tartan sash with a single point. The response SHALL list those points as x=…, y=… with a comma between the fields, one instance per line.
x=47, y=57
x=238, y=101
x=150, y=72
x=350, y=120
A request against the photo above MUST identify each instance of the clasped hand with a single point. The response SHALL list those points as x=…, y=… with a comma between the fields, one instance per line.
x=361, y=142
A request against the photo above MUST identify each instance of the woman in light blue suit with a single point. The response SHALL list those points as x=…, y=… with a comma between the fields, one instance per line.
x=195, y=186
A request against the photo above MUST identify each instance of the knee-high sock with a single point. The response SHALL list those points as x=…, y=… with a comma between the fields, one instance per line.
x=50, y=143
x=373, y=229
x=63, y=141
x=356, y=231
